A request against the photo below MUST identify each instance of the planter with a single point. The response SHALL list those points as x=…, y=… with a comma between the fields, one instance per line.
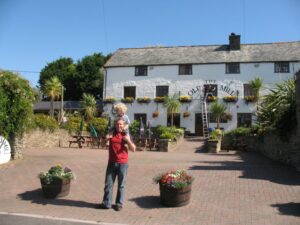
x=214, y=146
x=58, y=188
x=175, y=197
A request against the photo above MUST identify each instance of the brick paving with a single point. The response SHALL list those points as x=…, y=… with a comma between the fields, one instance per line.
x=229, y=188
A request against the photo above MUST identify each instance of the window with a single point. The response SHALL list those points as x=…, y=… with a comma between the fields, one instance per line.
x=244, y=119
x=141, y=71
x=212, y=118
x=282, y=67
x=129, y=92
x=141, y=116
x=248, y=91
x=232, y=67
x=176, y=119
x=185, y=69
x=211, y=90
x=162, y=91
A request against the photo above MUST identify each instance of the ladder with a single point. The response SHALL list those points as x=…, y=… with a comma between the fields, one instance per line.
x=204, y=118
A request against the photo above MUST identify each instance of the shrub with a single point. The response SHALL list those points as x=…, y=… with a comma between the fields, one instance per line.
x=45, y=122
x=16, y=100
x=56, y=172
x=167, y=135
x=215, y=135
x=100, y=124
x=134, y=128
x=73, y=124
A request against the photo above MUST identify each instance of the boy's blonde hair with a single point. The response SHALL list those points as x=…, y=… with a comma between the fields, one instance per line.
x=120, y=107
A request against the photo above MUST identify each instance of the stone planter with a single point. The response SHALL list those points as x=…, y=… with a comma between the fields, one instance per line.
x=214, y=146
x=58, y=188
x=175, y=197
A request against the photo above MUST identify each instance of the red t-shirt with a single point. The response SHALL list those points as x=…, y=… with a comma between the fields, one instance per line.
x=117, y=151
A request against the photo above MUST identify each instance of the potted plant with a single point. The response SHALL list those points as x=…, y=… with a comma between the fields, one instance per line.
x=185, y=98
x=230, y=98
x=186, y=114
x=56, y=182
x=155, y=114
x=211, y=98
x=214, y=141
x=109, y=100
x=144, y=99
x=249, y=98
x=175, y=187
x=127, y=100
x=159, y=99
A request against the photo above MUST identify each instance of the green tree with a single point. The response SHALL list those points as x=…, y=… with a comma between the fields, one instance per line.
x=219, y=110
x=173, y=106
x=256, y=85
x=278, y=109
x=53, y=88
x=16, y=100
x=65, y=70
x=89, y=106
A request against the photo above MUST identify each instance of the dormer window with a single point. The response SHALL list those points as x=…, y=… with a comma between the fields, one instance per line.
x=141, y=71
x=186, y=69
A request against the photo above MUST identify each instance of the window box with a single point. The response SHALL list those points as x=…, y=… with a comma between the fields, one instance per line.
x=127, y=100
x=230, y=99
x=155, y=114
x=186, y=114
x=211, y=98
x=109, y=100
x=159, y=99
x=185, y=98
x=249, y=98
x=144, y=99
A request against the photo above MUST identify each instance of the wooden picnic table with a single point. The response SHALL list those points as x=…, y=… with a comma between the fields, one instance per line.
x=79, y=139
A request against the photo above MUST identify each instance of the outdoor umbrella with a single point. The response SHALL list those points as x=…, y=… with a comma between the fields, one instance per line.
x=141, y=127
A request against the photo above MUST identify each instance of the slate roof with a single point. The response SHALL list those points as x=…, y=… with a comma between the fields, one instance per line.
x=269, y=52
x=68, y=105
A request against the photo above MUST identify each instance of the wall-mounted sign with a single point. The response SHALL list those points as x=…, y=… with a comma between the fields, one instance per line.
x=4, y=150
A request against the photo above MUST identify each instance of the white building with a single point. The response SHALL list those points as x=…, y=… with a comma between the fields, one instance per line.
x=189, y=70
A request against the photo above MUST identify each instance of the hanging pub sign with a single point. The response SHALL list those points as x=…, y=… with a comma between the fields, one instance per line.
x=4, y=150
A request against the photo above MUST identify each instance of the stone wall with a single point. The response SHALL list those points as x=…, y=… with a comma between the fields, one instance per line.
x=46, y=139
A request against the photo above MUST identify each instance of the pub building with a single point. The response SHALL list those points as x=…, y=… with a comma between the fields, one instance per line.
x=141, y=76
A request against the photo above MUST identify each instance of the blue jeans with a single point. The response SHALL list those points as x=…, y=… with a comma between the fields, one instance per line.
x=113, y=170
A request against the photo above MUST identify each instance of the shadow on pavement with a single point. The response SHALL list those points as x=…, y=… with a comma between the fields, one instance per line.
x=36, y=196
x=292, y=208
x=254, y=166
x=147, y=202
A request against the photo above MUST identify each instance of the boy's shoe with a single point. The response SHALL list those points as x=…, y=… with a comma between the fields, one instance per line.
x=118, y=207
x=102, y=206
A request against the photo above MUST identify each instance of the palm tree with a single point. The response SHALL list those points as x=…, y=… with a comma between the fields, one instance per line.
x=89, y=106
x=256, y=85
x=219, y=110
x=173, y=106
x=53, y=89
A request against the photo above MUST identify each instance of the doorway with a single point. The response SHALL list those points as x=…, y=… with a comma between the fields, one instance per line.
x=198, y=124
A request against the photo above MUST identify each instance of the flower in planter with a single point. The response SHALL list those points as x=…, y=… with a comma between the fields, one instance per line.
x=159, y=99
x=249, y=98
x=186, y=114
x=178, y=179
x=185, y=98
x=211, y=98
x=55, y=173
x=109, y=100
x=155, y=114
x=128, y=100
x=230, y=98
x=144, y=99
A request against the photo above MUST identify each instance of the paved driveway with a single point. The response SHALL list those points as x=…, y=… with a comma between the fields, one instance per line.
x=229, y=188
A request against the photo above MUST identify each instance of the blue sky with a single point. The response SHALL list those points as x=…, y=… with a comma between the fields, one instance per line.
x=36, y=32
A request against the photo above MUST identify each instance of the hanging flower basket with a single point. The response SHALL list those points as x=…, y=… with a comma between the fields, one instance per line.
x=211, y=99
x=186, y=114
x=155, y=114
x=127, y=100
x=159, y=99
x=249, y=98
x=144, y=99
x=175, y=188
x=230, y=99
x=185, y=98
x=109, y=100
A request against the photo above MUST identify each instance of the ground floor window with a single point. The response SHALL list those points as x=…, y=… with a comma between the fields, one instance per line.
x=141, y=116
x=176, y=120
x=244, y=119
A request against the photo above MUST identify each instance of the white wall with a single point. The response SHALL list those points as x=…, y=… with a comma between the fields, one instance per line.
x=119, y=77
